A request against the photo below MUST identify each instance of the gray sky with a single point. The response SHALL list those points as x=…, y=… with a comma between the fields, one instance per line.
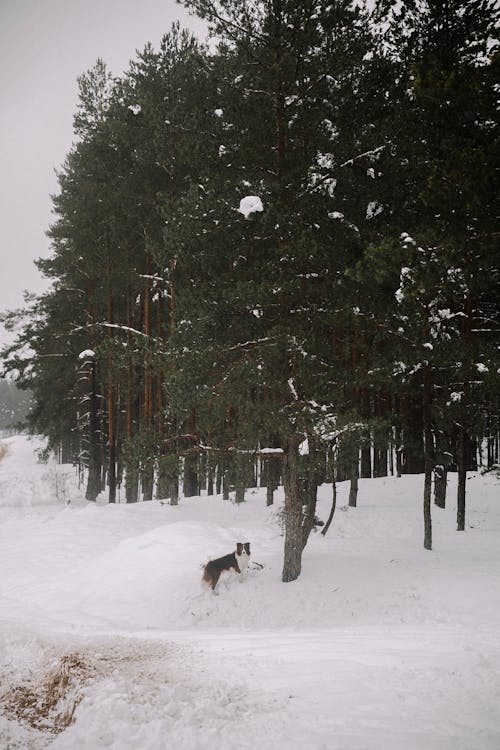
x=44, y=46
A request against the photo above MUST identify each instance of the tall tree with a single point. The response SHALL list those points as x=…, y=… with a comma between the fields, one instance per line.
x=274, y=229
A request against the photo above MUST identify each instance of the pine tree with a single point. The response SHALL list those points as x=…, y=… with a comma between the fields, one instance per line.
x=445, y=144
x=269, y=287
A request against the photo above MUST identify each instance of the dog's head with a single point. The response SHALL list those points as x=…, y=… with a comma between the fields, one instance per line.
x=243, y=549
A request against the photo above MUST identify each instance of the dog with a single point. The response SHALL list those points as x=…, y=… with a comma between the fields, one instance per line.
x=237, y=561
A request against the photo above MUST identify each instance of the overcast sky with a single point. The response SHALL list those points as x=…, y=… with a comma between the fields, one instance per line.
x=44, y=46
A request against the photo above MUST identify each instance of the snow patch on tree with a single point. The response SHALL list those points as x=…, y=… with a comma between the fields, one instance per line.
x=250, y=204
x=374, y=208
x=87, y=354
x=304, y=448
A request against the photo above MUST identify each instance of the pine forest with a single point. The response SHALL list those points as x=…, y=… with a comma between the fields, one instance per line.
x=274, y=260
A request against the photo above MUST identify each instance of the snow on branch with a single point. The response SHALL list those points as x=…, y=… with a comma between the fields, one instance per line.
x=372, y=152
x=319, y=181
x=112, y=325
x=293, y=390
x=241, y=451
x=246, y=344
x=330, y=435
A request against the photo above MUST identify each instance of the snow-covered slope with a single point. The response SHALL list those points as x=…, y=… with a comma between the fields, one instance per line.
x=378, y=644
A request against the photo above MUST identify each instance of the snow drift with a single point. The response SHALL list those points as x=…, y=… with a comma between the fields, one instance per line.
x=107, y=638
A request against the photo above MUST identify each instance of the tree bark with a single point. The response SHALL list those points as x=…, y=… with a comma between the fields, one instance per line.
x=327, y=525
x=462, y=437
x=462, y=477
x=272, y=476
x=300, y=505
x=354, y=473
x=292, y=562
x=132, y=483
x=148, y=480
x=111, y=412
x=131, y=467
x=191, y=475
x=240, y=478
x=428, y=456
x=440, y=484
x=94, y=476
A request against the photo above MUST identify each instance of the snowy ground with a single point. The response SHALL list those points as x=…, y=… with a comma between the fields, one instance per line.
x=379, y=644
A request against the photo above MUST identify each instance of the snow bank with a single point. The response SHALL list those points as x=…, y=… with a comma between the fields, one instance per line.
x=380, y=643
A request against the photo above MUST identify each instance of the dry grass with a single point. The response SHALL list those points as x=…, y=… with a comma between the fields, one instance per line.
x=3, y=450
x=49, y=705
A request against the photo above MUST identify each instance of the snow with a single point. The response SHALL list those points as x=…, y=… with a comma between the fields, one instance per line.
x=250, y=204
x=87, y=354
x=374, y=208
x=136, y=109
x=378, y=644
x=325, y=161
x=304, y=448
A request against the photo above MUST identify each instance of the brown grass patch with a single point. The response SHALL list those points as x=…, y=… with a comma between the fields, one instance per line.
x=3, y=450
x=49, y=704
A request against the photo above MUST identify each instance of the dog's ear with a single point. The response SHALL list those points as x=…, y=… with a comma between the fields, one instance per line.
x=247, y=547
x=239, y=548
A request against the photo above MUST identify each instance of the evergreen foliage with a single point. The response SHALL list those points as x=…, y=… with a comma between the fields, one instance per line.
x=280, y=250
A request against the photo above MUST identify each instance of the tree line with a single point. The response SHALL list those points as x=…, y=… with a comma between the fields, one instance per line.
x=279, y=250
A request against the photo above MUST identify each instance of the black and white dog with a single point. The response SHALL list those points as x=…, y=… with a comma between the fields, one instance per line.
x=237, y=561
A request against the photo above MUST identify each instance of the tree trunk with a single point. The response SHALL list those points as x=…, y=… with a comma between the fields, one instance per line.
x=462, y=477
x=366, y=448
x=366, y=461
x=219, y=476
x=300, y=505
x=413, y=456
x=272, y=475
x=94, y=477
x=163, y=484
x=462, y=437
x=111, y=412
x=292, y=562
x=440, y=483
x=148, y=480
x=269, y=490
x=148, y=371
x=225, y=482
x=428, y=456
x=240, y=479
x=210, y=474
x=334, y=502
x=132, y=483
x=112, y=456
x=191, y=475
x=354, y=473
x=131, y=466
x=310, y=471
